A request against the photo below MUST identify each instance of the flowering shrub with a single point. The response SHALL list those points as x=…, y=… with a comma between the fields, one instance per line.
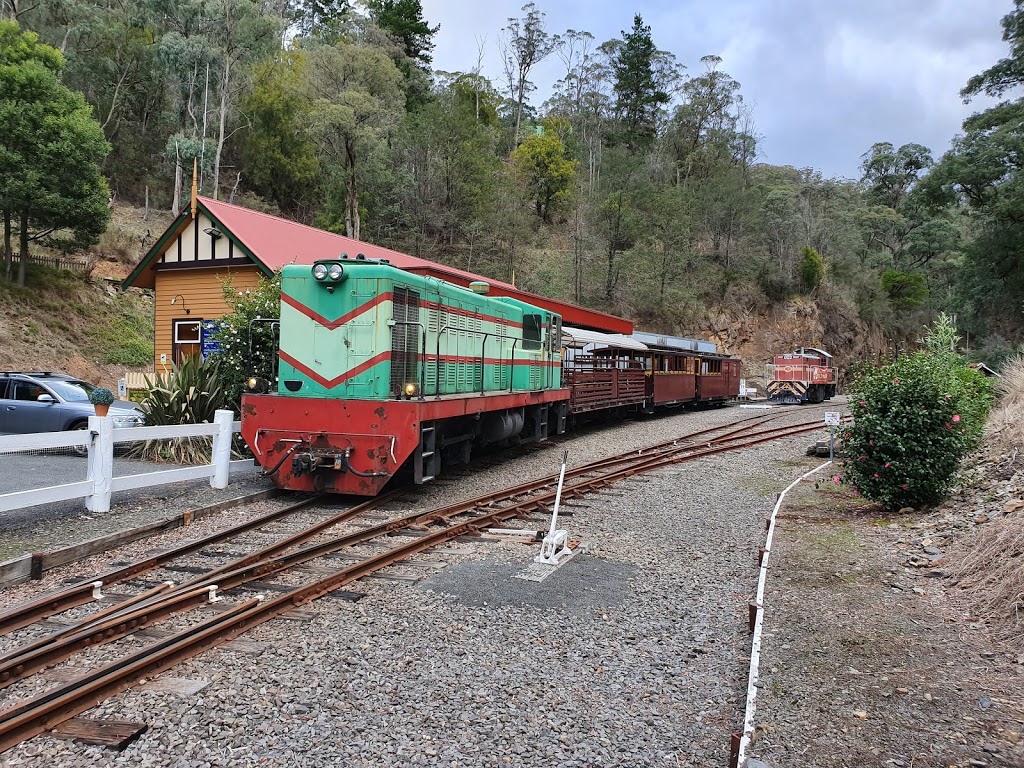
x=238, y=359
x=913, y=421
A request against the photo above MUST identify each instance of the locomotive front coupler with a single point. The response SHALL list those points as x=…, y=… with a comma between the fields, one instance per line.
x=310, y=462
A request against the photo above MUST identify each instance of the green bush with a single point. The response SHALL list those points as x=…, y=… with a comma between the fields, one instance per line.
x=913, y=421
x=906, y=290
x=812, y=269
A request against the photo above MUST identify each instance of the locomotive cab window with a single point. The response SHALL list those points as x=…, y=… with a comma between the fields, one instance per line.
x=555, y=335
x=532, y=332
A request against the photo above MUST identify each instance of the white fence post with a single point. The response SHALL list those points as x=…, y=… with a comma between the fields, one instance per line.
x=221, y=448
x=101, y=463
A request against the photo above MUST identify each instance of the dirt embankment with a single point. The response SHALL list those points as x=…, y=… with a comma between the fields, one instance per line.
x=80, y=322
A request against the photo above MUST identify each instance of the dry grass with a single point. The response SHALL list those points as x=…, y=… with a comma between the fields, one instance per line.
x=992, y=577
x=1006, y=423
x=992, y=572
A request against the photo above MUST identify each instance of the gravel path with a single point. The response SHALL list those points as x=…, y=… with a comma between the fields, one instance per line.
x=632, y=654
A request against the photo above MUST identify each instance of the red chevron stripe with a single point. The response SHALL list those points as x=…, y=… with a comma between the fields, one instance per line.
x=332, y=383
x=316, y=317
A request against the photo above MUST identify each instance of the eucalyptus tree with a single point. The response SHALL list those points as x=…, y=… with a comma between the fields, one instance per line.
x=359, y=99
x=982, y=176
x=524, y=44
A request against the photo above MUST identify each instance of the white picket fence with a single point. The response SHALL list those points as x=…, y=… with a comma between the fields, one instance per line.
x=100, y=482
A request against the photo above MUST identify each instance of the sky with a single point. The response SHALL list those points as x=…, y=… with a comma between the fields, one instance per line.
x=826, y=79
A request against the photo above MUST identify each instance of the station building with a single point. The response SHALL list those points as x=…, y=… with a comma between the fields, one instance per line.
x=212, y=241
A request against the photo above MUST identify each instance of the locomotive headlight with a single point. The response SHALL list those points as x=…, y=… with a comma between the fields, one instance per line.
x=410, y=389
x=335, y=271
x=320, y=271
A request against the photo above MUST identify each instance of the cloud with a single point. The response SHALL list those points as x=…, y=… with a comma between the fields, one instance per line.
x=825, y=79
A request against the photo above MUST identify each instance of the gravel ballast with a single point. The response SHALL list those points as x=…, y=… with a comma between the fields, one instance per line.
x=634, y=653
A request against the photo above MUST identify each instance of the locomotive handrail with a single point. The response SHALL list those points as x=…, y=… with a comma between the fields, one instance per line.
x=483, y=346
x=423, y=354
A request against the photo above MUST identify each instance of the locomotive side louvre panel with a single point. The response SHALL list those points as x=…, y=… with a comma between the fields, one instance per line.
x=405, y=339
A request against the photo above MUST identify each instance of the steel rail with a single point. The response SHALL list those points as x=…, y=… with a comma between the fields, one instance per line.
x=61, y=600
x=263, y=562
x=154, y=599
x=37, y=715
x=48, y=654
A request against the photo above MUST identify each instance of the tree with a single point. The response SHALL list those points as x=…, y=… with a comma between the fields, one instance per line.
x=892, y=173
x=547, y=172
x=638, y=93
x=982, y=176
x=279, y=158
x=360, y=100
x=323, y=20
x=246, y=348
x=50, y=151
x=404, y=19
x=524, y=45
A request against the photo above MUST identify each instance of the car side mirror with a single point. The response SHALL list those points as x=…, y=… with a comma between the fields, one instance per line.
x=46, y=398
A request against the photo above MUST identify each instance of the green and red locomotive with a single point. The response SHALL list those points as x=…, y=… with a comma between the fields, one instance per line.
x=382, y=369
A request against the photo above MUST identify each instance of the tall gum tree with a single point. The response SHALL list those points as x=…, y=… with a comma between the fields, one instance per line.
x=360, y=99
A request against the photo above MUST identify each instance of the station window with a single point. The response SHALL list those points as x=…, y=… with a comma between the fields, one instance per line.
x=531, y=332
x=187, y=339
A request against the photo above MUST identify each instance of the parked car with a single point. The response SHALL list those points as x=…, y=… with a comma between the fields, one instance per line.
x=41, y=401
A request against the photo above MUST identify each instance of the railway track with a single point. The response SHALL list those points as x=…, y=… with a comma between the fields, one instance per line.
x=288, y=559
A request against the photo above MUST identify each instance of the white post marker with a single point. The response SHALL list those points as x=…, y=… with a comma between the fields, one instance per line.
x=556, y=544
x=832, y=419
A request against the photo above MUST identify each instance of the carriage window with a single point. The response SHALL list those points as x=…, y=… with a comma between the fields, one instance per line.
x=531, y=332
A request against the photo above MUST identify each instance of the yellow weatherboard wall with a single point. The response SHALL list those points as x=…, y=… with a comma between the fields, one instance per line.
x=204, y=297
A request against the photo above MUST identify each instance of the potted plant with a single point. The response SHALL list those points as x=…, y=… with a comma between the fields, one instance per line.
x=101, y=398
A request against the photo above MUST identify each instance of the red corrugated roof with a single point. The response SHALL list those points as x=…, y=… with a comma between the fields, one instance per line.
x=275, y=242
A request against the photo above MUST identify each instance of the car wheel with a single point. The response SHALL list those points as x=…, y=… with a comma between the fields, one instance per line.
x=80, y=450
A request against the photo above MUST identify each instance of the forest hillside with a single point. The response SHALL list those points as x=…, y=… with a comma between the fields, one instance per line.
x=635, y=186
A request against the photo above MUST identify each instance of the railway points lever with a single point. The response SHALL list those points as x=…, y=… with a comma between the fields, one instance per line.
x=555, y=544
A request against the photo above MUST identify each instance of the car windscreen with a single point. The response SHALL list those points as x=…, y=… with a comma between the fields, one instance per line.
x=72, y=391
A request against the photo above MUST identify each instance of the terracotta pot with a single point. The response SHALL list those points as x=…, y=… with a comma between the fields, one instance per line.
x=101, y=408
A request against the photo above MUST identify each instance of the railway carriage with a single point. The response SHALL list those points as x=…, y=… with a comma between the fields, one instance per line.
x=804, y=376
x=381, y=368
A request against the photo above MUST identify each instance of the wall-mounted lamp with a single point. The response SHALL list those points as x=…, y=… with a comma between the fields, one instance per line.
x=179, y=296
x=213, y=232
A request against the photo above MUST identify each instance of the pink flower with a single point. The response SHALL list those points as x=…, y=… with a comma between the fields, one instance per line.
x=835, y=479
x=888, y=464
x=861, y=458
x=876, y=474
x=949, y=397
x=905, y=486
x=856, y=492
x=895, y=381
x=956, y=418
x=863, y=402
x=948, y=425
x=922, y=407
x=871, y=442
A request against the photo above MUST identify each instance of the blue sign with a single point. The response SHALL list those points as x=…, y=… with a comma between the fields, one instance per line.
x=211, y=344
